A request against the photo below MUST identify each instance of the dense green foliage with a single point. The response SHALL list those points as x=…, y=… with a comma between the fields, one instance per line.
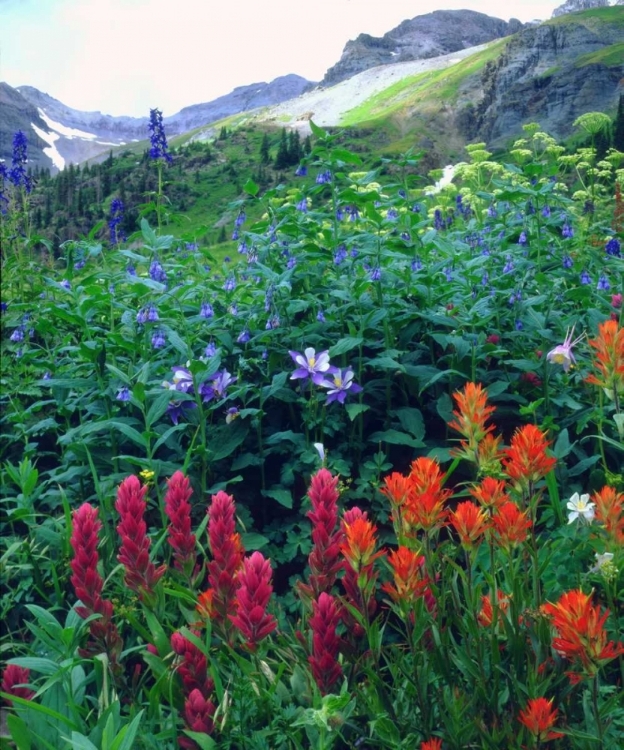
x=417, y=290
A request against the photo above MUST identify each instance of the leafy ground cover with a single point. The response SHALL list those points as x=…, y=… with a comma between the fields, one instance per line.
x=401, y=406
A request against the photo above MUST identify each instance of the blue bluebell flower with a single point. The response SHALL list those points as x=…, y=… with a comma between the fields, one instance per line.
x=546, y=212
x=567, y=232
x=416, y=264
x=158, y=340
x=230, y=284
x=210, y=350
x=509, y=266
x=340, y=254
x=324, y=177
x=152, y=314
x=131, y=270
x=320, y=316
x=585, y=277
x=301, y=171
x=141, y=316
x=612, y=247
x=17, y=335
x=243, y=337
x=302, y=205
x=157, y=272
x=603, y=283
x=567, y=261
x=375, y=274
x=522, y=239
x=206, y=310
x=66, y=285
x=123, y=394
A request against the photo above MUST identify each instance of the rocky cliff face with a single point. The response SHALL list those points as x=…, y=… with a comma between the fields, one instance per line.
x=552, y=74
x=18, y=114
x=573, y=6
x=430, y=35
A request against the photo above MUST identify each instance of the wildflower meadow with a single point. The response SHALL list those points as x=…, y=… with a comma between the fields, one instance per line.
x=353, y=479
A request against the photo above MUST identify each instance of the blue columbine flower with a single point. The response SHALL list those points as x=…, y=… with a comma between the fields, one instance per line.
x=159, y=148
x=311, y=365
x=612, y=247
x=340, y=385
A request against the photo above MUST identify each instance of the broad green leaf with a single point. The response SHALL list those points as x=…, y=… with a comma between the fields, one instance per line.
x=282, y=496
x=354, y=410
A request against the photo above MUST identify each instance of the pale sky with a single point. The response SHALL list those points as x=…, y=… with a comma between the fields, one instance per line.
x=123, y=57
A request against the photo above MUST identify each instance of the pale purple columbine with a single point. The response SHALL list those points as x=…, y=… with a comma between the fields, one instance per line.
x=175, y=409
x=222, y=382
x=340, y=385
x=206, y=310
x=311, y=365
x=182, y=380
x=123, y=394
x=231, y=414
x=562, y=353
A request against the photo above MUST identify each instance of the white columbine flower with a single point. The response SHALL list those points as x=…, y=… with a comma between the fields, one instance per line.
x=602, y=560
x=580, y=507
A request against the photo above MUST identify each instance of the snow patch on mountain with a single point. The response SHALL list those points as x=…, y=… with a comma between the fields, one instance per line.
x=50, y=151
x=61, y=129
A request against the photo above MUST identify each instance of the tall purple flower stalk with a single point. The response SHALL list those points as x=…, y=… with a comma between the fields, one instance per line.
x=158, y=140
x=116, y=217
x=18, y=174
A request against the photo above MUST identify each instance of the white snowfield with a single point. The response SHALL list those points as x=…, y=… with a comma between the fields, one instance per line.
x=51, y=151
x=61, y=129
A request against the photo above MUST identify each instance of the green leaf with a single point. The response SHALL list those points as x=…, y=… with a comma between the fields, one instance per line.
x=80, y=742
x=282, y=496
x=253, y=541
x=395, y=437
x=345, y=345
x=19, y=732
x=412, y=421
x=353, y=410
x=125, y=738
x=132, y=434
x=251, y=188
x=204, y=741
x=225, y=439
